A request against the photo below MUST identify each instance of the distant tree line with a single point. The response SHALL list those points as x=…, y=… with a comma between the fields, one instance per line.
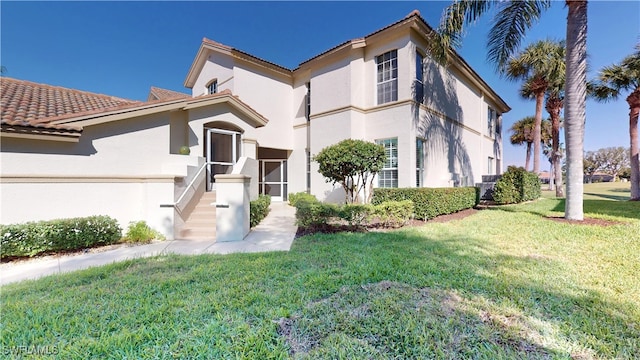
x=612, y=161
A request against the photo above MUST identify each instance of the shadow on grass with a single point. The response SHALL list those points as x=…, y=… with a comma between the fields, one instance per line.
x=623, y=209
x=452, y=295
x=470, y=290
x=611, y=197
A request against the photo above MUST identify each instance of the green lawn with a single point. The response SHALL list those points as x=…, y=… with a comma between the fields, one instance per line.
x=503, y=283
x=599, y=191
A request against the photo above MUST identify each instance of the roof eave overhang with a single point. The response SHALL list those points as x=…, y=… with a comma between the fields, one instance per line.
x=94, y=119
x=36, y=133
x=200, y=60
x=207, y=47
x=255, y=119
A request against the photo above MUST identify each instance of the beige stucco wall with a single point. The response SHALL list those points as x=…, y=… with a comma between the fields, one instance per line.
x=344, y=105
x=218, y=66
x=123, y=169
x=222, y=113
x=271, y=97
x=126, y=200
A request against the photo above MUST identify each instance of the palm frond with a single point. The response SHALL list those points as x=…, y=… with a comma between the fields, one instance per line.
x=509, y=26
x=457, y=16
x=612, y=80
x=601, y=92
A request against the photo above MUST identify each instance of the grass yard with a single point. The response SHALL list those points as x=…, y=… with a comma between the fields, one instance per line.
x=599, y=191
x=503, y=283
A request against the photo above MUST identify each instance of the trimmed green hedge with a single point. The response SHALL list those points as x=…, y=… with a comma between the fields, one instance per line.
x=394, y=213
x=517, y=185
x=300, y=196
x=33, y=238
x=313, y=213
x=430, y=202
x=258, y=209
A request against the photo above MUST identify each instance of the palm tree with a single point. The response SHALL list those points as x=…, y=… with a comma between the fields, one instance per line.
x=612, y=81
x=511, y=21
x=522, y=133
x=554, y=105
x=539, y=65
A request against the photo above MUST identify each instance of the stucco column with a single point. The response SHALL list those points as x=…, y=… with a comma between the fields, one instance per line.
x=250, y=148
x=232, y=207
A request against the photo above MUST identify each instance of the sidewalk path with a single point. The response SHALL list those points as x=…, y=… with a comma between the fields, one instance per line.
x=275, y=233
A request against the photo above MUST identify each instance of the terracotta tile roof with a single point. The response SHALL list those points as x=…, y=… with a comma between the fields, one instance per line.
x=33, y=108
x=157, y=93
x=231, y=49
x=414, y=13
x=28, y=104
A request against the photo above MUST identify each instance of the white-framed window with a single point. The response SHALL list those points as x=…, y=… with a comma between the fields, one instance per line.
x=492, y=119
x=418, y=87
x=212, y=88
x=387, y=76
x=388, y=176
x=490, y=166
x=420, y=155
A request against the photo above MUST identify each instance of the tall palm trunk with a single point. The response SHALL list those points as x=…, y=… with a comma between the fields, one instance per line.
x=634, y=109
x=528, y=159
x=575, y=104
x=537, y=130
x=553, y=106
x=551, y=179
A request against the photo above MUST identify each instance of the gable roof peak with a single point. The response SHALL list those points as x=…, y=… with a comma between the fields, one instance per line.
x=415, y=12
x=156, y=93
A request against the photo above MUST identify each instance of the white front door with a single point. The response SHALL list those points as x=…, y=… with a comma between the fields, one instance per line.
x=273, y=179
x=223, y=151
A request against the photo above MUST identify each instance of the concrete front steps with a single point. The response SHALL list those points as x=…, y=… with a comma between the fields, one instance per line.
x=201, y=224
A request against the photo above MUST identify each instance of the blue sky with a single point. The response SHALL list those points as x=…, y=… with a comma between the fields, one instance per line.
x=123, y=48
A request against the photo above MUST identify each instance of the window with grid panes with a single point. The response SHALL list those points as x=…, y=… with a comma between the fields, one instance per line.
x=419, y=84
x=388, y=176
x=212, y=88
x=387, y=76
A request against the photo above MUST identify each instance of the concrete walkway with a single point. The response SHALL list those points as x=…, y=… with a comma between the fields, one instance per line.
x=274, y=233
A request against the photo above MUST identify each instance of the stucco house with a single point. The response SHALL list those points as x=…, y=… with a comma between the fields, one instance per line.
x=71, y=153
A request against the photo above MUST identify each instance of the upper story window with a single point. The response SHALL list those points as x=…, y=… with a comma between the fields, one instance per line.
x=387, y=80
x=212, y=88
x=492, y=118
x=418, y=86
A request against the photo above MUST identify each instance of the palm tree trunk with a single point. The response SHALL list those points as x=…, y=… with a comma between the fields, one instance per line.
x=553, y=106
x=558, y=174
x=537, y=130
x=634, y=106
x=551, y=175
x=575, y=104
x=528, y=158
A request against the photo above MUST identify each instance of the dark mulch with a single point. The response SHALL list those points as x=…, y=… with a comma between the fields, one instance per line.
x=332, y=229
